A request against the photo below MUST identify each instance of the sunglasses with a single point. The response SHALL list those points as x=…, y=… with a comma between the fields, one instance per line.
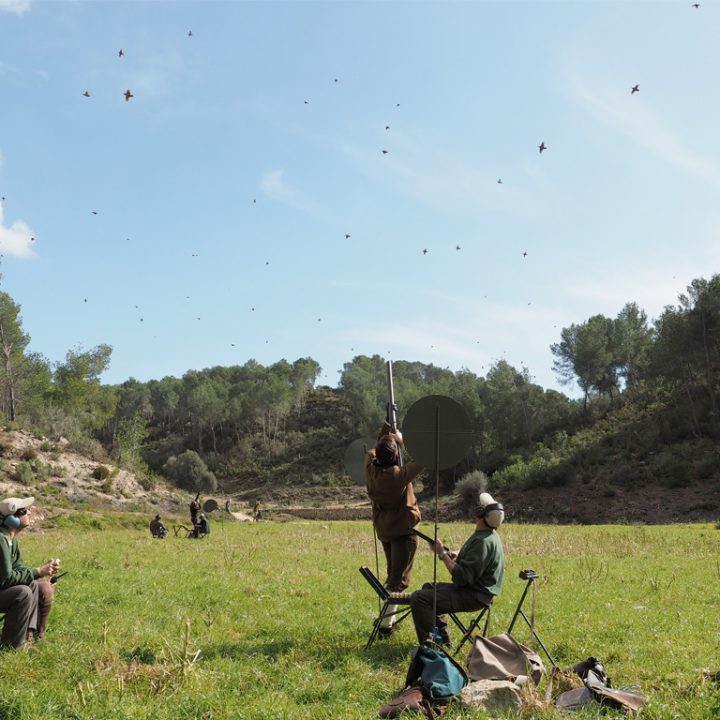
x=21, y=512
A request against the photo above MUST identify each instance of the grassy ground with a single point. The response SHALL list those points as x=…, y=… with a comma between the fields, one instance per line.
x=280, y=615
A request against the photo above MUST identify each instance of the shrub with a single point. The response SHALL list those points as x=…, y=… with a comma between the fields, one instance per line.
x=101, y=472
x=28, y=453
x=88, y=447
x=190, y=472
x=57, y=471
x=24, y=473
x=147, y=481
x=469, y=488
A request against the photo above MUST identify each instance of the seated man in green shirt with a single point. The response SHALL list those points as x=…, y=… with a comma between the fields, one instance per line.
x=25, y=602
x=476, y=572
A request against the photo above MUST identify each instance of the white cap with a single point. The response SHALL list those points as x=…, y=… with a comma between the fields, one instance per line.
x=9, y=506
x=492, y=511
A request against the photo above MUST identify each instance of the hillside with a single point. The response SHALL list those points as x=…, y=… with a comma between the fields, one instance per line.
x=64, y=479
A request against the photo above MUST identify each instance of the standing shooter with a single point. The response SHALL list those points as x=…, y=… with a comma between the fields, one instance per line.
x=395, y=510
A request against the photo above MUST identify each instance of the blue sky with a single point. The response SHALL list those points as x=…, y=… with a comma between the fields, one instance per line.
x=225, y=188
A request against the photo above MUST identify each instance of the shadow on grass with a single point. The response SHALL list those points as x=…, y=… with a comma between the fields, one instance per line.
x=330, y=652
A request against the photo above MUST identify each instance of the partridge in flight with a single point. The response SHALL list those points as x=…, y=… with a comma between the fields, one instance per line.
x=635, y=88
x=542, y=146
x=128, y=95
x=86, y=94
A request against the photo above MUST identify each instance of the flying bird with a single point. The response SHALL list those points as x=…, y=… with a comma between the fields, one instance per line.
x=525, y=254
x=94, y=212
x=635, y=88
x=189, y=33
x=425, y=252
x=120, y=52
x=499, y=182
x=86, y=94
x=306, y=102
x=696, y=5
x=387, y=127
x=385, y=152
x=542, y=146
x=347, y=236
x=128, y=95
x=457, y=247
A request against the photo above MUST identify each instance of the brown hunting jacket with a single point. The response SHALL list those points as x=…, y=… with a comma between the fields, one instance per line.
x=395, y=509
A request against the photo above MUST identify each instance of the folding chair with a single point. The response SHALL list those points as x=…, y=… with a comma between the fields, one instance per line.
x=531, y=576
x=387, y=598
x=474, y=625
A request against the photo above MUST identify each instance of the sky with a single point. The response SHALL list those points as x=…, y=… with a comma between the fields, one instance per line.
x=333, y=179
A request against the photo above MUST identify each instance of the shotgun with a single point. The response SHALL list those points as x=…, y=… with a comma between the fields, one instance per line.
x=392, y=407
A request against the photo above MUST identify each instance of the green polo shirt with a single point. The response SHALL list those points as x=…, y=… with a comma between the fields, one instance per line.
x=12, y=570
x=480, y=564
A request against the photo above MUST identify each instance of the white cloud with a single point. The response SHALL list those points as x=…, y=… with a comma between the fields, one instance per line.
x=637, y=122
x=15, y=6
x=17, y=239
x=274, y=186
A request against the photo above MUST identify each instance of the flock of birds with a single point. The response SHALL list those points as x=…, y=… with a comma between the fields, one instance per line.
x=129, y=95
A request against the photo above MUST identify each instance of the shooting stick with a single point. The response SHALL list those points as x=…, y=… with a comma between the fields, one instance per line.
x=437, y=447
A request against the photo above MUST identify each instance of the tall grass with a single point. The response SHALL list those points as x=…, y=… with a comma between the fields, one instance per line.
x=270, y=620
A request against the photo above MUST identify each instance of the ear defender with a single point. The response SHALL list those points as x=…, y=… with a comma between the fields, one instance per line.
x=11, y=521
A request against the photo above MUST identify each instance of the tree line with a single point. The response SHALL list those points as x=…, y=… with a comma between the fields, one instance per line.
x=255, y=424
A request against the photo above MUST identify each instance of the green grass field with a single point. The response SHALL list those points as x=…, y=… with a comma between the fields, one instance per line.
x=270, y=620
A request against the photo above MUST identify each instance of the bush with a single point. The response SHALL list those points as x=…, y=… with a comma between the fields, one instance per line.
x=190, y=472
x=24, y=473
x=28, y=453
x=469, y=488
x=147, y=480
x=88, y=447
x=101, y=472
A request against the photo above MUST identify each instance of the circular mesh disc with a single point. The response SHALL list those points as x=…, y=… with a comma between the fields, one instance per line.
x=433, y=417
x=210, y=505
x=354, y=460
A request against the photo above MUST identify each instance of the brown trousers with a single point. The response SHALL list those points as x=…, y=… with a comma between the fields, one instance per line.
x=46, y=593
x=399, y=557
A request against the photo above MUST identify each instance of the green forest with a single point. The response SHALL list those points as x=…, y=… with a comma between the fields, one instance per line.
x=648, y=411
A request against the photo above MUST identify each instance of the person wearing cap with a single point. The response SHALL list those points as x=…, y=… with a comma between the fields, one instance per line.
x=157, y=529
x=476, y=572
x=25, y=602
x=395, y=510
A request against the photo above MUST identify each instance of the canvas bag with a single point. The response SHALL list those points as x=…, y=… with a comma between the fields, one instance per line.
x=502, y=657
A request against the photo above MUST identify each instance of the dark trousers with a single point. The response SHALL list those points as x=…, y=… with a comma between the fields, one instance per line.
x=20, y=604
x=399, y=556
x=450, y=598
